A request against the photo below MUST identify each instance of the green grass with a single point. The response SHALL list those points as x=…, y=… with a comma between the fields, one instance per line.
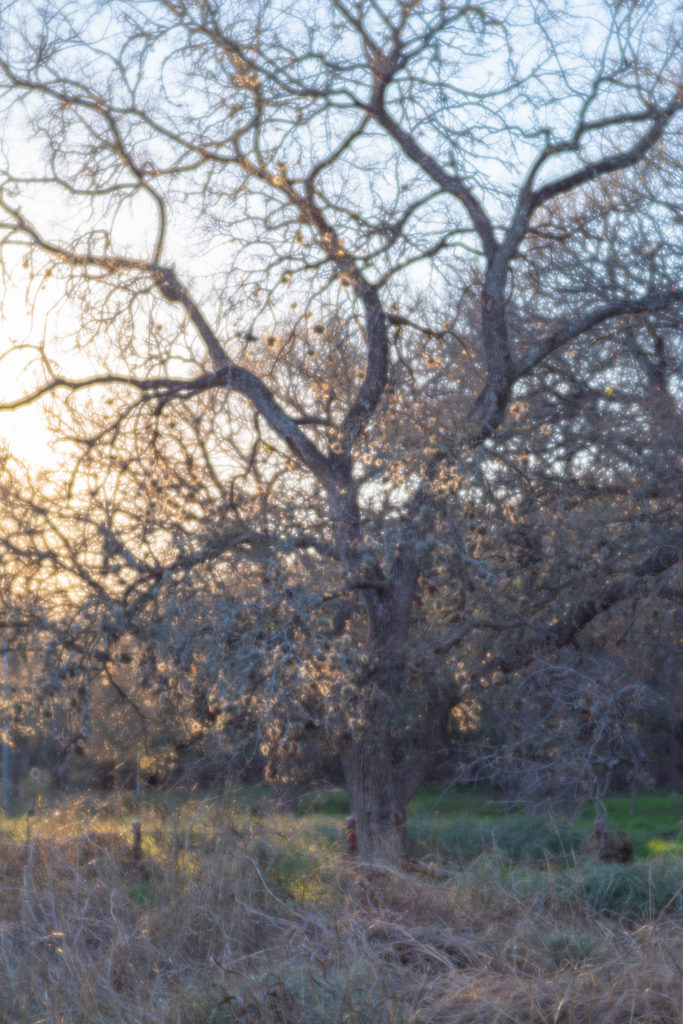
x=452, y=824
x=459, y=824
x=438, y=800
x=655, y=827
x=640, y=891
x=517, y=837
x=470, y=821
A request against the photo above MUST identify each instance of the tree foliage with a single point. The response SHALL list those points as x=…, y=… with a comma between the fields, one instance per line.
x=391, y=293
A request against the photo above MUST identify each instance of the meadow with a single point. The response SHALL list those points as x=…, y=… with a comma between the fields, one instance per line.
x=237, y=916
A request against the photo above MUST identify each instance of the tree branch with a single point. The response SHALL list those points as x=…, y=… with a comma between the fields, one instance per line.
x=583, y=613
x=651, y=303
x=228, y=374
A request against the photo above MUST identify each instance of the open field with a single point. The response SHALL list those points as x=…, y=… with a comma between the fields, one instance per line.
x=235, y=916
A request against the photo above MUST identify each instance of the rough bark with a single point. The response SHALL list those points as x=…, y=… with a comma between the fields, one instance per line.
x=378, y=798
x=389, y=754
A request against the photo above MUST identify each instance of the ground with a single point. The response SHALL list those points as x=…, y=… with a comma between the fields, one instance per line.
x=241, y=917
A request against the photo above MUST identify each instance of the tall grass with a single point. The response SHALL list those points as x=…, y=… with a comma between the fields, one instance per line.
x=244, y=919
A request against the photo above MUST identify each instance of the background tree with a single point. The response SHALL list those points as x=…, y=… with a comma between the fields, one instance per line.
x=377, y=235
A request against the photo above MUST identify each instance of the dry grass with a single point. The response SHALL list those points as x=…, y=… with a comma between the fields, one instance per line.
x=254, y=923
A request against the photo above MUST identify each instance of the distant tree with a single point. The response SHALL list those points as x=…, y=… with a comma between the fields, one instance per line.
x=423, y=262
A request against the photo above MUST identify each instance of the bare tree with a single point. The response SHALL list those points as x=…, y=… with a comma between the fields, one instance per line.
x=356, y=224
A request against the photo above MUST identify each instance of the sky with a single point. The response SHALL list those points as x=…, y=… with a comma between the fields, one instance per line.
x=24, y=430
x=27, y=437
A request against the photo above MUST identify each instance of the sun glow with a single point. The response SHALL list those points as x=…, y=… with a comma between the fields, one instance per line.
x=25, y=430
x=27, y=437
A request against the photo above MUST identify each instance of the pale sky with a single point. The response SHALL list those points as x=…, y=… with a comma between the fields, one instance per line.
x=25, y=430
x=27, y=436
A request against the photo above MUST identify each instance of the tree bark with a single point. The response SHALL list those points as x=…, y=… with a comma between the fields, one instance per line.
x=386, y=761
x=399, y=728
x=379, y=770
x=377, y=795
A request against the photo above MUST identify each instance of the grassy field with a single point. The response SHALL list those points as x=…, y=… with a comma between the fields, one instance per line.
x=236, y=916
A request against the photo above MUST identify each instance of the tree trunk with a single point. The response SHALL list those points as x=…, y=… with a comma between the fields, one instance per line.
x=389, y=755
x=378, y=796
x=377, y=769
x=395, y=725
x=386, y=761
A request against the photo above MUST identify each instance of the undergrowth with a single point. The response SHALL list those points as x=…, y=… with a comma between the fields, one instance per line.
x=240, y=918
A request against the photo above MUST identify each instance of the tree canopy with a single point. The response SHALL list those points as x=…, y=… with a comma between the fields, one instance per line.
x=378, y=307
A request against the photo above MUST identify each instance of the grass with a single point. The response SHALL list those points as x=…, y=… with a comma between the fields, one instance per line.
x=241, y=917
x=655, y=826
x=461, y=824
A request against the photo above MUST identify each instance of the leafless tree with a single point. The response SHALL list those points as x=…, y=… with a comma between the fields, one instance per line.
x=379, y=234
